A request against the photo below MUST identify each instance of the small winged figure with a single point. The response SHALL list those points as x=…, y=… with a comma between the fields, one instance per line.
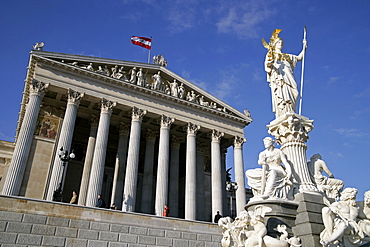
x=38, y=46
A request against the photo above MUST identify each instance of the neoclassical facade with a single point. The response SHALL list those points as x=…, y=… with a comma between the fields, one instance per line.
x=142, y=137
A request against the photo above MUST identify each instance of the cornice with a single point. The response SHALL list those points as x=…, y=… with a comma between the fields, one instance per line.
x=45, y=60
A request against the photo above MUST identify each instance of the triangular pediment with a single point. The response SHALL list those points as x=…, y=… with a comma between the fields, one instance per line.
x=126, y=74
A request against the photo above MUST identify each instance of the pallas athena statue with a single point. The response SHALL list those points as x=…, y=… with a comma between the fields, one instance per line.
x=279, y=67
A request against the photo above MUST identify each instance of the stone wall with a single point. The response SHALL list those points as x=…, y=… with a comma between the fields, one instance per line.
x=29, y=222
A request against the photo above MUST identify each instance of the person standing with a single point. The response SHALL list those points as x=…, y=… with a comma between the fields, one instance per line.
x=100, y=203
x=74, y=198
x=166, y=211
x=218, y=216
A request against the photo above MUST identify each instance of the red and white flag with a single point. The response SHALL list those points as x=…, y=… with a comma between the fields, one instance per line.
x=142, y=41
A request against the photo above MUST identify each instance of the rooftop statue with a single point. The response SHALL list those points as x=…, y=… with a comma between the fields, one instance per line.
x=160, y=60
x=279, y=67
x=157, y=81
x=38, y=46
x=140, y=77
x=273, y=180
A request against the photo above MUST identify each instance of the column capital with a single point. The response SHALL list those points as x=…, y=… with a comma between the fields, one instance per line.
x=239, y=141
x=74, y=97
x=123, y=128
x=166, y=121
x=201, y=147
x=38, y=87
x=107, y=106
x=290, y=127
x=216, y=135
x=150, y=135
x=192, y=129
x=94, y=121
x=175, y=141
x=137, y=114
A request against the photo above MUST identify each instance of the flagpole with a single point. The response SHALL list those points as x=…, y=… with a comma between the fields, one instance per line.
x=302, y=74
x=150, y=49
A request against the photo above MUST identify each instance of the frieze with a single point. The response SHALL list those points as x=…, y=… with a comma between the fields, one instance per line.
x=152, y=83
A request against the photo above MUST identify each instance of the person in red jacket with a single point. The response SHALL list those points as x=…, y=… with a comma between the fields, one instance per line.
x=166, y=211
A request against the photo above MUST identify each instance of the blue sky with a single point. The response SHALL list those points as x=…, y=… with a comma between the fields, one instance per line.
x=217, y=45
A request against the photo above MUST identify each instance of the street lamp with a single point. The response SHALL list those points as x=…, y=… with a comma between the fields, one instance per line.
x=65, y=158
x=231, y=187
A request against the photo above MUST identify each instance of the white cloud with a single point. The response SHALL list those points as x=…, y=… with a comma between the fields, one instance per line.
x=358, y=114
x=202, y=84
x=6, y=137
x=182, y=15
x=351, y=133
x=336, y=154
x=364, y=93
x=243, y=18
x=333, y=79
x=258, y=76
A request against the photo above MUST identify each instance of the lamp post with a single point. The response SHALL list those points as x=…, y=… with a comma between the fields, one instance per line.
x=231, y=187
x=65, y=157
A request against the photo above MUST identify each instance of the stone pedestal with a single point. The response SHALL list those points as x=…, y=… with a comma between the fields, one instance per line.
x=283, y=212
x=308, y=223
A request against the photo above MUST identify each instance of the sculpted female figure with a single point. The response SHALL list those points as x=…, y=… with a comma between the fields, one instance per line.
x=274, y=180
x=279, y=67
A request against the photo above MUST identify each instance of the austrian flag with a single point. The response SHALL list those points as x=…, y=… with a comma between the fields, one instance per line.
x=142, y=41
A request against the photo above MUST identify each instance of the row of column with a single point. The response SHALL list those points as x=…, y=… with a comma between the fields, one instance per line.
x=126, y=169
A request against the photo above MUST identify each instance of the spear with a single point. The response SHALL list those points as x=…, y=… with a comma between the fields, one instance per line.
x=302, y=74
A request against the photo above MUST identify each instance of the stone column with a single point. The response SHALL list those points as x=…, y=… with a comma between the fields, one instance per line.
x=163, y=165
x=225, y=198
x=201, y=205
x=239, y=174
x=129, y=194
x=173, y=198
x=120, y=166
x=291, y=132
x=18, y=163
x=65, y=140
x=88, y=161
x=216, y=170
x=191, y=173
x=147, y=194
x=97, y=167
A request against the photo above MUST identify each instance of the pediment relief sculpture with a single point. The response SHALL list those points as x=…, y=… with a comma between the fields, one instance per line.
x=151, y=79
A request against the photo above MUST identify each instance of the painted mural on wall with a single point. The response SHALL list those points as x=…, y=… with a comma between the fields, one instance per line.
x=47, y=126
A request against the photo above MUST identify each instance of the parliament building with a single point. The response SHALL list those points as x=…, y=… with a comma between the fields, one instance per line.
x=141, y=136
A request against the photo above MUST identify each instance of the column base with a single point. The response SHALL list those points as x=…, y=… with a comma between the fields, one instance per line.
x=309, y=188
